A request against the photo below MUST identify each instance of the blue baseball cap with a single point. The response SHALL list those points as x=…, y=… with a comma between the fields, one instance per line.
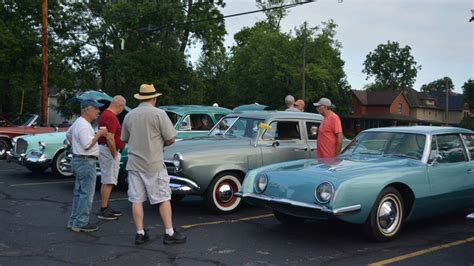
x=89, y=102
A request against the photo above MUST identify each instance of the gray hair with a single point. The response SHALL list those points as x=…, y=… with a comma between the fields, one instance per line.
x=289, y=99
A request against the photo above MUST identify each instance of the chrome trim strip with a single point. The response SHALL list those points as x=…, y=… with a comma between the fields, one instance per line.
x=346, y=210
x=336, y=212
x=183, y=185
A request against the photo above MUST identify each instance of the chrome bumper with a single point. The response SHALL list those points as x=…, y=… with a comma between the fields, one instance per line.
x=181, y=185
x=32, y=158
x=299, y=209
x=65, y=165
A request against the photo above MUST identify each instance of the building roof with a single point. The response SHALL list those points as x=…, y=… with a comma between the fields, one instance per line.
x=376, y=97
x=414, y=98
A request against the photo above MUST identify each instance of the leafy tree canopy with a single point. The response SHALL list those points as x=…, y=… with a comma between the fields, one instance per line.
x=392, y=67
x=438, y=85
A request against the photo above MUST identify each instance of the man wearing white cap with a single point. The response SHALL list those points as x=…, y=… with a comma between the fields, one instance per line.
x=147, y=130
x=330, y=135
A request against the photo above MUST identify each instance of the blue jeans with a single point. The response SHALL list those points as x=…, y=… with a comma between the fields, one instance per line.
x=84, y=189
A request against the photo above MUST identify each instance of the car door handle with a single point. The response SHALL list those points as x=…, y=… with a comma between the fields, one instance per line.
x=470, y=171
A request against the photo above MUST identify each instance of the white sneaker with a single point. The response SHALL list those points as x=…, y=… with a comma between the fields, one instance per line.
x=470, y=216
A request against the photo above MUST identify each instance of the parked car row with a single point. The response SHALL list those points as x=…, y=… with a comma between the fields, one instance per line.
x=24, y=125
x=383, y=178
x=38, y=152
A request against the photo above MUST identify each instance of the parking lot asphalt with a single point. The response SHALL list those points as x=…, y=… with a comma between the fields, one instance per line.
x=34, y=209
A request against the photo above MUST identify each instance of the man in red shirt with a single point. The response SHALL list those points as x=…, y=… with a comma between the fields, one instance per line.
x=109, y=156
x=330, y=135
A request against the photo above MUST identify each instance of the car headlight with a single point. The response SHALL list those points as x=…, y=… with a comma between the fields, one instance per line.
x=261, y=182
x=41, y=145
x=324, y=192
x=178, y=161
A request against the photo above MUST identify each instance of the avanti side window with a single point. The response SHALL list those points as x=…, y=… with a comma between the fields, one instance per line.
x=449, y=147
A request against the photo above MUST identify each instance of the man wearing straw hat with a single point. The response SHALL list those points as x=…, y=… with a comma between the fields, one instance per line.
x=147, y=130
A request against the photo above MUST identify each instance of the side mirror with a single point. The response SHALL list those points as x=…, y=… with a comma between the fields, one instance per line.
x=184, y=126
x=265, y=126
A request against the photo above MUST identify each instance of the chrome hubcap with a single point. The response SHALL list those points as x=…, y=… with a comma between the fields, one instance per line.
x=388, y=215
x=225, y=193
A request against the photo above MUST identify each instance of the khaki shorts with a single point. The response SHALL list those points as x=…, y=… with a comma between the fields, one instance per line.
x=155, y=186
x=109, y=166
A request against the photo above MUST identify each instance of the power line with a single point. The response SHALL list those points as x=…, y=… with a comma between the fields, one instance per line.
x=288, y=6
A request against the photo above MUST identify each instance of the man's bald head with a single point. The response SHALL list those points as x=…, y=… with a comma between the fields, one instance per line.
x=118, y=104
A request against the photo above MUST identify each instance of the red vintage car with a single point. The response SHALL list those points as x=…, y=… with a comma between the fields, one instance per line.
x=27, y=125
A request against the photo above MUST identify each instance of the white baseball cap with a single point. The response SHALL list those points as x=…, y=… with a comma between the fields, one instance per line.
x=323, y=101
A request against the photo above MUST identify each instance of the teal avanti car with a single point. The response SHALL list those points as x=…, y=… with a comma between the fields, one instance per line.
x=383, y=178
x=214, y=166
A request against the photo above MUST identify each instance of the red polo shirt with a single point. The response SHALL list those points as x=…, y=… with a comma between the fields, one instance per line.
x=109, y=119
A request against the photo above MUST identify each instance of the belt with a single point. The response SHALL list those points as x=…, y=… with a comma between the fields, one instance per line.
x=105, y=144
x=85, y=156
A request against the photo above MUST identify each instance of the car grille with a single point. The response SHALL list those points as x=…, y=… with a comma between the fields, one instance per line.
x=21, y=146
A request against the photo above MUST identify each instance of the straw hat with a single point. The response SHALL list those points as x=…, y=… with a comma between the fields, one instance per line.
x=147, y=91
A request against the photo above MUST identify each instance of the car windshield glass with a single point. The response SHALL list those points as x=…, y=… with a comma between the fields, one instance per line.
x=25, y=120
x=174, y=117
x=236, y=126
x=395, y=144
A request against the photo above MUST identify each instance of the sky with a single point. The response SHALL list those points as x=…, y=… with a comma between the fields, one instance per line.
x=438, y=32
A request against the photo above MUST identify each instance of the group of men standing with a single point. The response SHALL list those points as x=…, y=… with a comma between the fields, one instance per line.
x=330, y=136
x=147, y=130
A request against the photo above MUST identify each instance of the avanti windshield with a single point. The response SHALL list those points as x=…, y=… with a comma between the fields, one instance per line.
x=388, y=144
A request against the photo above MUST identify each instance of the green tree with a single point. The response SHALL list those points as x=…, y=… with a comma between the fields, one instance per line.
x=391, y=66
x=468, y=91
x=20, y=54
x=265, y=65
x=122, y=44
x=438, y=85
x=213, y=72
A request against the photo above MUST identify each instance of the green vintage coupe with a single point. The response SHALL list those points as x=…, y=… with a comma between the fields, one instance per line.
x=214, y=167
x=384, y=177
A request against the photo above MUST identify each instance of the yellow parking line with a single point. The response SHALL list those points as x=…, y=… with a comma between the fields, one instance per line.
x=228, y=221
x=42, y=183
x=422, y=252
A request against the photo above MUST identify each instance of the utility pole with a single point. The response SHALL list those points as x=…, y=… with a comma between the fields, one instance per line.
x=303, y=77
x=44, y=63
x=447, y=102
